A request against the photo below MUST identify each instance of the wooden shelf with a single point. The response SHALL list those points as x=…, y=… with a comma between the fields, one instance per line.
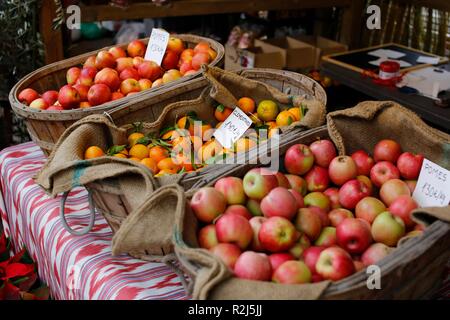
x=199, y=7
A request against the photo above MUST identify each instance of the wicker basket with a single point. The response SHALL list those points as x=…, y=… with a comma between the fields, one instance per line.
x=107, y=196
x=45, y=127
x=414, y=271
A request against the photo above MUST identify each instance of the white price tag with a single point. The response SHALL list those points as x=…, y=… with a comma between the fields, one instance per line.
x=433, y=186
x=233, y=128
x=157, y=45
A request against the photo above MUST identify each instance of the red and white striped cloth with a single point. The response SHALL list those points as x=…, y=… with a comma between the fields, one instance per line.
x=74, y=267
x=77, y=267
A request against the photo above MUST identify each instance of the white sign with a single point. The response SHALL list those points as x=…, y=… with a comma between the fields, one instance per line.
x=233, y=128
x=157, y=45
x=433, y=186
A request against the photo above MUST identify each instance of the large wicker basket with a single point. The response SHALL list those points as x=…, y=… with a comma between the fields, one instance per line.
x=45, y=127
x=414, y=271
x=108, y=198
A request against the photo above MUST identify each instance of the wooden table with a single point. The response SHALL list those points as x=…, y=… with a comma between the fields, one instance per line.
x=423, y=106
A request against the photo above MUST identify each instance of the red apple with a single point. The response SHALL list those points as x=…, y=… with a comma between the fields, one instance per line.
x=198, y=59
x=297, y=183
x=72, y=75
x=170, y=60
x=333, y=196
x=338, y=215
x=327, y=237
x=99, y=94
x=26, y=96
x=129, y=85
x=402, y=207
x=186, y=66
x=207, y=237
x=392, y=189
x=409, y=165
x=298, y=159
x=363, y=162
x=136, y=48
x=309, y=223
x=323, y=215
x=253, y=266
x=104, y=59
x=55, y=108
x=202, y=46
x=256, y=223
x=292, y=272
x=382, y=172
x=317, y=199
x=369, y=208
x=233, y=228
x=387, y=150
x=228, y=253
x=282, y=180
x=175, y=44
x=375, y=253
x=279, y=203
x=342, y=169
x=354, y=235
x=39, y=104
x=87, y=76
x=335, y=263
x=300, y=246
x=317, y=179
x=298, y=198
x=149, y=70
x=207, y=204
x=137, y=61
x=323, y=151
x=68, y=97
x=85, y=104
x=254, y=206
x=232, y=188
x=129, y=73
x=145, y=84
x=277, y=234
x=358, y=265
x=82, y=90
x=90, y=62
x=388, y=229
x=311, y=255
x=351, y=193
x=238, y=209
x=117, y=52
x=258, y=182
x=50, y=97
x=277, y=259
x=123, y=63
x=108, y=77
x=411, y=185
x=116, y=95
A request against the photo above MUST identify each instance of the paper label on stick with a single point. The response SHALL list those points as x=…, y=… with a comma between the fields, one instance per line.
x=233, y=128
x=157, y=45
x=433, y=186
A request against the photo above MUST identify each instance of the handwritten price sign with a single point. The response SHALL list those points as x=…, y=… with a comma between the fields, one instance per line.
x=233, y=128
x=433, y=186
x=157, y=45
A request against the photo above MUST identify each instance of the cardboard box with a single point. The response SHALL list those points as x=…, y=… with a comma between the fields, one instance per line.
x=262, y=55
x=299, y=54
x=323, y=47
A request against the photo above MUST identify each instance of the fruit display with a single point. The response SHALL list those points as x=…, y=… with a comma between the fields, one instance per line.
x=115, y=73
x=187, y=144
x=324, y=217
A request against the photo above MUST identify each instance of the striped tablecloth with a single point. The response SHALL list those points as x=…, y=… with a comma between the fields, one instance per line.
x=73, y=267
x=77, y=267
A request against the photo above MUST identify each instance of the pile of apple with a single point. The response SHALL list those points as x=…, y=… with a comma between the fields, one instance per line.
x=326, y=218
x=116, y=73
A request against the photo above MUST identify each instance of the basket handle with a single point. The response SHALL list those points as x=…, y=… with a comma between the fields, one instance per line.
x=64, y=221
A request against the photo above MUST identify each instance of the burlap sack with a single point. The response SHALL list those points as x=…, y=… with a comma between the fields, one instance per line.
x=364, y=125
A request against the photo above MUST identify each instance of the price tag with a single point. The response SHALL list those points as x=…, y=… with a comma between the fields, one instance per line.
x=233, y=128
x=433, y=186
x=157, y=45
